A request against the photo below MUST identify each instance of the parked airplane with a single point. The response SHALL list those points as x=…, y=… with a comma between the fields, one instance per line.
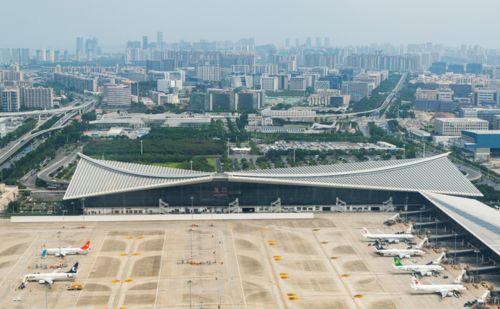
x=401, y=253
x=423, y=270
x=49, y=278
x=443, y=289
x=62, y=252
x=395, y=238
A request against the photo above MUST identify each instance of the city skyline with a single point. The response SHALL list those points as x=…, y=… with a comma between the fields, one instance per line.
x=345, y=22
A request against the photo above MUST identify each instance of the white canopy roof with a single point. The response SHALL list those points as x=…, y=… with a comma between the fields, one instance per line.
x=434, y=174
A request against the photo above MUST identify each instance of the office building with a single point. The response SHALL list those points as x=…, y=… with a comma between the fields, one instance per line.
x=474, y=68
x=357, y=90
x=116, y=95
x=297, y=83
x=10, y=100
x=455, y=126
x=486, y=97
x=161, y=65
x=328, y=98
x=198, y=102
x=269, y=83
x=221, y=100
x=145, y=43
x=37, y=98
x=488, y=114
x=248, y=100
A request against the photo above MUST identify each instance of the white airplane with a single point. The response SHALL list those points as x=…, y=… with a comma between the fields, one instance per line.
x=443, y=289
x=401, y=253
x=62, y=252
x=395, y=238
x=481, y=301
x=50, y=278
x=423, y=270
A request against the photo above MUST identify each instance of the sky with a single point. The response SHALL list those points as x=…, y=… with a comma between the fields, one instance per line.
x=56, y=23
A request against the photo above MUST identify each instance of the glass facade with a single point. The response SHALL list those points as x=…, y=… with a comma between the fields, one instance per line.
x=221, y=193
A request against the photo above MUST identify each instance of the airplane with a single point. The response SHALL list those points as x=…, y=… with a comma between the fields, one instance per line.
x=423, y=270
x=395, y=238
x=62, y=252
x=401, y=253
x=49, y=278
x=481, y=301
x=443, y=289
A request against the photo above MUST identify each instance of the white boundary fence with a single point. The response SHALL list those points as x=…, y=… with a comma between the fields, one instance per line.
x=173, y=217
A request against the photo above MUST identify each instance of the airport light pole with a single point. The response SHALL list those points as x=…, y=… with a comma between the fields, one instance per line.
x=192, y=225
x=190, y=282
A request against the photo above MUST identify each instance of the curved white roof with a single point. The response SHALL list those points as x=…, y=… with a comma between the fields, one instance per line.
x=434, y=174
x=477, y=218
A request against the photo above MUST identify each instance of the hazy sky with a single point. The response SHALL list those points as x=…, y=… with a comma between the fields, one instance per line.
x=56, y=23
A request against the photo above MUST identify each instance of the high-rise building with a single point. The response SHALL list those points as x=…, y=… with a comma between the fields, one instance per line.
x=76, y=82
x=116, y=95
x=145, y=43
x=10, y=100
x=269, y=83
x=198, y=102
x=36, y=98
x=220, y=100
x=327, y=42
x=248, y=100
x=159, y=40
x=318, y=42
x=208, y=72
x=79, y=45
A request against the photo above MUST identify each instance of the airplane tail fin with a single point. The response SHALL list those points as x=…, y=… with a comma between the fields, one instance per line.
x=414, y=282
x=73, y=269
x=440, y=258
x=397, y=262
x=484, y=297
x=460, y=277
x=44, y=253
x=422, y=243
x=365, y=232
x=86, y=246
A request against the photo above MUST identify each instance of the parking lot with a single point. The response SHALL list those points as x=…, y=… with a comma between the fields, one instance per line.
x=309, y=263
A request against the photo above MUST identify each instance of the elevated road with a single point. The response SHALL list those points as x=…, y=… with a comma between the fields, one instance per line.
x=10, y=150
x=81, y=107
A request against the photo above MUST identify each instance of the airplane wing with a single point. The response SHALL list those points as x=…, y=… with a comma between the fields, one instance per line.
x=48, y=281
x=444, y=293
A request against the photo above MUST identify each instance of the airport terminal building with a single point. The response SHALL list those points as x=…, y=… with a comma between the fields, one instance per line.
x=100, y=185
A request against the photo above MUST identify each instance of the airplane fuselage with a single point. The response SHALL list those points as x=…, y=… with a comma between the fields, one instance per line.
x=421, y=269
x=443, y=289
x=399, y=252
x=65, y=251
x=50, y=277
x=391, y=237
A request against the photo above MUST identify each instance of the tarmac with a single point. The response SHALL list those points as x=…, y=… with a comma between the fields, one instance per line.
x=304, y=263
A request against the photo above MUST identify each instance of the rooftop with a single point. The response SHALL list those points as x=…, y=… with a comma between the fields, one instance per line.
x=433, y=174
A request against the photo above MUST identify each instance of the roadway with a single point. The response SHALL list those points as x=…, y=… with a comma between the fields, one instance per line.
x=12, y=149
x=61, y=110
